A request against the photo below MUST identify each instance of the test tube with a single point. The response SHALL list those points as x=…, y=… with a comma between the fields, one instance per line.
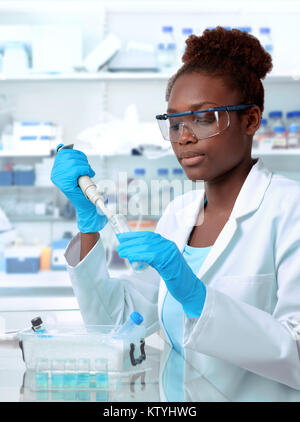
x=83, y=375
x=70, y=375
x=101, y=374
x=57, y=373
x=42, y=374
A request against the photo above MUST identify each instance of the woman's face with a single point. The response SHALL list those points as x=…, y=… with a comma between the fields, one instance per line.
x=218, y=154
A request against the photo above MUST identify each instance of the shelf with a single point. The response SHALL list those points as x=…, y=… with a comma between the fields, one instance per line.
x=14, y=153
x=39, y=219
x=117, y=76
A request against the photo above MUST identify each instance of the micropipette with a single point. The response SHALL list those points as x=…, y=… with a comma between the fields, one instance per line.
x=117, y=221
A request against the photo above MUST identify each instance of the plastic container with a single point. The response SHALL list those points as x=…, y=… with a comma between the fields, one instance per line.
x=15, y=58
x=280, y=139
x=133, y=328
x=58, y=247
x=263, y=137
x=22, y=260
x=293, y=138
x=275, y=119
x=62, y=348
x=166, y=50
x=266, y=39
x=24, y=177
x=185, y=33
x=6, y=178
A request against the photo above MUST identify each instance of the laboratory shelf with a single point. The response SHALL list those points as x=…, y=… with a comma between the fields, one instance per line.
x=29, y=153
x=105, y=76
x=48, y=279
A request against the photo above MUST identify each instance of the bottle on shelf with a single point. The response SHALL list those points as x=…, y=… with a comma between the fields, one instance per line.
x=293, y=138
x=266, y=39
x=262, y=138
x=279, y=139
x=185, y=33
x=166, y=50
x=275, y=119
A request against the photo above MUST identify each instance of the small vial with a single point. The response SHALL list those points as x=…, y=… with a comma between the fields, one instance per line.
x=83, y=375
x=70, y=375
x=119, y=225
x=133, y=329
x=38, y=326
x=57, y=373
x=42, y=374
x=279, y=140
x=101, y=375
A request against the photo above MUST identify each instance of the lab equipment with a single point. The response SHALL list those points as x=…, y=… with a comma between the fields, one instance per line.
x=266, y=39
x=38, y=326
x=164, y=255
x=117, y=221
x=135, y=56
x=166, y=50
x=293, y=138
x=15, y=58
x=184, y=34
x=58, y=248
x=22, y=259
x=275, y=119
x=104, y=52
x=262, y=138
x=65, y=176
x=81, y=350
x=279, y=140
x=133, y=327
x=6, y=178
x=24, y=175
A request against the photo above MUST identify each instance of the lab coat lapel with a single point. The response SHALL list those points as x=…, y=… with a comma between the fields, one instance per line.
x=248, y=200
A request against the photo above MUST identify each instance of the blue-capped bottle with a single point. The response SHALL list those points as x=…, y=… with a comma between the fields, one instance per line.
x=266, y=39
x=280, y=139
x=133, y=329
x=185, y=33
x=166, y=50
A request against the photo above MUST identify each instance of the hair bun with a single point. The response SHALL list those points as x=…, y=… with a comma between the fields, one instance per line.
x=219, y=44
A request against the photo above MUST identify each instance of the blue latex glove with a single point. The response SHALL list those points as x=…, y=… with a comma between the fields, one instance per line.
x=68, y=166
x=163, y=255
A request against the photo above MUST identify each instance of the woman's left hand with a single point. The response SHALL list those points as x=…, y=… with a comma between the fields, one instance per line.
x=163, y=255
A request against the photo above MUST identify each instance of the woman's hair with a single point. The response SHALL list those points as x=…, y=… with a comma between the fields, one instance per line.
x=234, y=55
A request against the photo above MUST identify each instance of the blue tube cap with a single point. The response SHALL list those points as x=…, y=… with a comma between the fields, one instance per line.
x=136, y=318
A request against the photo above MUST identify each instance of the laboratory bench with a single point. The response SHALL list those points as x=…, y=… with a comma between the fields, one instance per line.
x=164, y=376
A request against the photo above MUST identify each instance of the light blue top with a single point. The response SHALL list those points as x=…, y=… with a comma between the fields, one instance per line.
x=172, y=315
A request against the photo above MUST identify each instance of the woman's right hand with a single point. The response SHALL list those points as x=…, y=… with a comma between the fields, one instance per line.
x=68, y=166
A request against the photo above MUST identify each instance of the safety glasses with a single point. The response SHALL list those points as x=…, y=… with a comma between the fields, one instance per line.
x=201, y=124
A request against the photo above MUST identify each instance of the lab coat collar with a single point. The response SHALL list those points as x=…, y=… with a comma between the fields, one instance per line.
x=248, y=201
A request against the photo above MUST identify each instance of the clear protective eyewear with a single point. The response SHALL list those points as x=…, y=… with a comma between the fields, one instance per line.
x=202, y=124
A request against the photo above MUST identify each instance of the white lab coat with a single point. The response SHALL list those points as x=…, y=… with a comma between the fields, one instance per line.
x=252, y=274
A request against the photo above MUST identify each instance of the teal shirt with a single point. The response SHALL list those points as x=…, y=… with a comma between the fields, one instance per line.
x=172, y=312
x=172, y=318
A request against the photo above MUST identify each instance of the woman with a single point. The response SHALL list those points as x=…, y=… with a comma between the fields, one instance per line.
x=224, y=279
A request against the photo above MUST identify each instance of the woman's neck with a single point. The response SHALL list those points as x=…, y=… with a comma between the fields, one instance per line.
x=221, y=193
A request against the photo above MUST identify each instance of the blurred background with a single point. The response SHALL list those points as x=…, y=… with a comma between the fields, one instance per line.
x=94, y=73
